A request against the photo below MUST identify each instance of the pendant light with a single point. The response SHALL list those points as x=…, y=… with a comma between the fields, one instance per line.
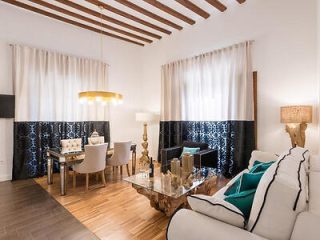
x=102, y=97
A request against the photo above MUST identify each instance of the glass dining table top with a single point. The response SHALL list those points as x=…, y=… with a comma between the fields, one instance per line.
x=157, y=184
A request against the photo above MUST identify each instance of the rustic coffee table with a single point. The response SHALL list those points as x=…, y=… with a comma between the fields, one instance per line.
x=167, y=198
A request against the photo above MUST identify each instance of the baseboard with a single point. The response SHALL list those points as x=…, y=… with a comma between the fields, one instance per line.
x=5, y=178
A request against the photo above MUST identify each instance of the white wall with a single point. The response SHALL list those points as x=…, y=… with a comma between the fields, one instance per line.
x=19, y=26
x=284, y=54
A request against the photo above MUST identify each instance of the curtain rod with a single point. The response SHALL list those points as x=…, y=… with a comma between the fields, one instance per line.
x=11, y=45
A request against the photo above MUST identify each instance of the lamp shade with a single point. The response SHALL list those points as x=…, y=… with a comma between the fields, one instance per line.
x=145, y=117
x=296, y=114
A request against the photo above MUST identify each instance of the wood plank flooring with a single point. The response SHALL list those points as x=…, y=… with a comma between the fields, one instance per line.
x=29, y=212
x=114, y=212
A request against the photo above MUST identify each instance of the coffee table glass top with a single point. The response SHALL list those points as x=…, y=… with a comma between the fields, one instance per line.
x=156, y=184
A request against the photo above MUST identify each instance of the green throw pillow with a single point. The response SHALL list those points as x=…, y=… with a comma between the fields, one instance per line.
x=260, y=166
x=234, y=187
x=243, y=201
x=250, y=181
x=189, y=150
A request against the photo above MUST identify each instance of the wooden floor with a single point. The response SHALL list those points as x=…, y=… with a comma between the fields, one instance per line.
x=29, y=212
x=116, y=211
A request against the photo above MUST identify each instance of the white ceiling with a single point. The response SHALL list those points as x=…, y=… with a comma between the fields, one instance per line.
x=170, y=3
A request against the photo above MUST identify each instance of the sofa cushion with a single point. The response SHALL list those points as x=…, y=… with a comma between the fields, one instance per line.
x=250, y=181
x=236, y=177
x=280, y=196
x=262, y=157
x=233, y=188
x=242, y=200
x=260, y=166
x=217, y=208
x=244, y=182
x=189, y=150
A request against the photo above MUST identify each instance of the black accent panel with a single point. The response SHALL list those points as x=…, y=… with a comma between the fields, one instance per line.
x=234, y=140
x=32, y=139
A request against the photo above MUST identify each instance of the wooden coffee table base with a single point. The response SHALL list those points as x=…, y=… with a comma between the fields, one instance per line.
x=169, y=205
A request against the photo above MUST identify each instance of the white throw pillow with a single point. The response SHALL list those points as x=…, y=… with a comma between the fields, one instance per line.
x=217, y=208
x=262, y=157
x=280, y=196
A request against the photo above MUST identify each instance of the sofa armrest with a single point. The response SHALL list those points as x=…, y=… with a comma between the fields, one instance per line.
x=208, y=158
x=167, y=154
x=189, y=225
x=314, y=163
x=306, y=227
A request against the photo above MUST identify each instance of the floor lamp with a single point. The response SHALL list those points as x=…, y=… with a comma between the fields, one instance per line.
x=145, y=118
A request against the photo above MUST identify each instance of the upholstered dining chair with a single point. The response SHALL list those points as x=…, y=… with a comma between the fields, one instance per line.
x=94, y=162
x=121, y=155
x=95, y=140
x=71, y=145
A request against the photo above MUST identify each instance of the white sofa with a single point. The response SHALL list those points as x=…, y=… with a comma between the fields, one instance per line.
x=293, y=180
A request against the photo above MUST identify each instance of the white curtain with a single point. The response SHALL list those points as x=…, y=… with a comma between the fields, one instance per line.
x=215, y=86
x=46, y=86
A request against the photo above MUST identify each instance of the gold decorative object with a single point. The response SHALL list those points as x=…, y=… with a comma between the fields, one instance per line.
x=175, y=167
x=187, y=162
x=145, y=118
x=100, y=96
x=296, y=119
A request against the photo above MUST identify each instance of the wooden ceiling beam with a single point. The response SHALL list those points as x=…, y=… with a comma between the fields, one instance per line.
x=148, y=13
x=240, y=1
x=127, y=15
x=194, y=8
x=170, y=11
x=66, y=20
x=89, y=20
x=106, y=18
x=217, y=4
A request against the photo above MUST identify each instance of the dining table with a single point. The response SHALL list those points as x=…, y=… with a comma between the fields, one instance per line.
x=67, y=159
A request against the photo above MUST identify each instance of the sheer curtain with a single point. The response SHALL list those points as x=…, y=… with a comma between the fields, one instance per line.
x=46, y=87
x=209, y=98
x=211, y=87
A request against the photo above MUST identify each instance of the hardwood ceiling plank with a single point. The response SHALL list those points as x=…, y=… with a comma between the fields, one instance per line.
x=170, y=11
x=81, y=17
x=217, y=4
x=127, y=15
x=148, y=13
x=66, y=20
x=240, y=1
x=194, y=8
x=107, y=18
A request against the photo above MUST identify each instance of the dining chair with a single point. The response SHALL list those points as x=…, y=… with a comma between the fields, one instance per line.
x=94, y=162
x=71, y=145
x=120, y=156
x=95, y=140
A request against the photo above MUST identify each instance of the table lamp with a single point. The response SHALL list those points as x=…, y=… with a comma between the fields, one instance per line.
x=296, y=119
x=145, y=118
